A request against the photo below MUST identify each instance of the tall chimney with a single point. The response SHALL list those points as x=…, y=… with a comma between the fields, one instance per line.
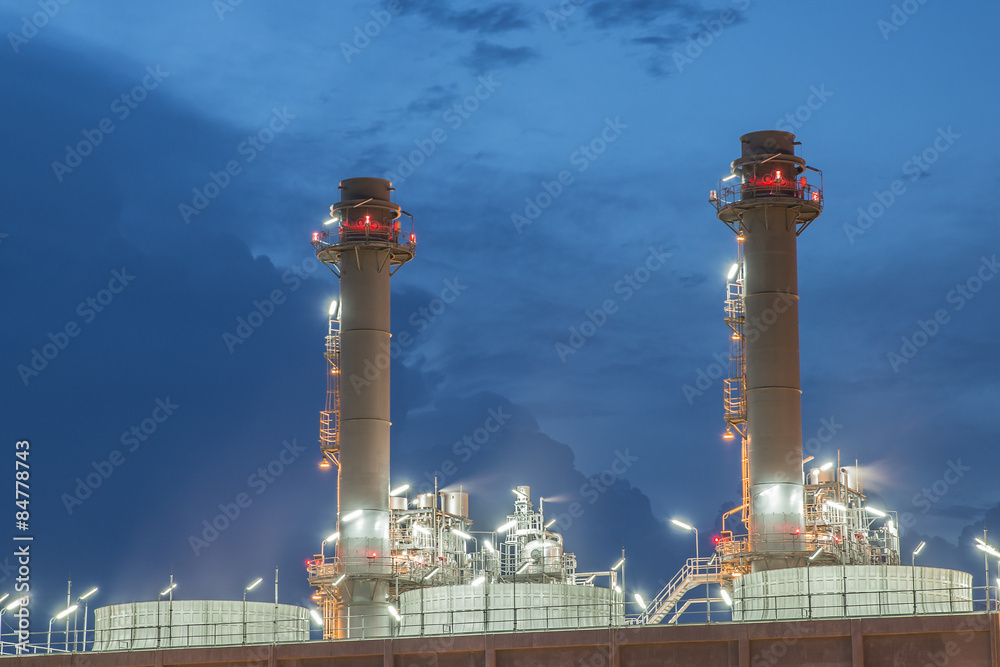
x=364, y=244
x=768, y=208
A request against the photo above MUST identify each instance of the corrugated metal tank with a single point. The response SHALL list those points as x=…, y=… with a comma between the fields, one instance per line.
x=186, y=623
x=467, y=609
x=850, y=591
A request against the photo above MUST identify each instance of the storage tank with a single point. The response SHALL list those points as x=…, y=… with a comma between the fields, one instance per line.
x=496, y=607
x=455, y=502
x=850, y=591
x=543, y=556
x=189, y=623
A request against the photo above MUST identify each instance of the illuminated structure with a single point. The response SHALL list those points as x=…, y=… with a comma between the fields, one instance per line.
x=768, y=208
x=364, y=244
x=798, y=524
x=395, y=556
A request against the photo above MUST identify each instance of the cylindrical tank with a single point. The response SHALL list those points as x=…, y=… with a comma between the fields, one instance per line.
x=455, y=502
x=187, y=623
x=397, y=503
x=767, y=213
x=425, y=501
x=543, y=556
x=494, y=607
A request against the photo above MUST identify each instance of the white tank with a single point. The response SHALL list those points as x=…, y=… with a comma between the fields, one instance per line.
x=543, y=556
x=455, y=502
x=397, y=503
x=186, y=623
x=425, y=501
x=463, y=609
x=850, y=591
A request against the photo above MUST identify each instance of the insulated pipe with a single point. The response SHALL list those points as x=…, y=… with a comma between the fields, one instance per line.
x=364, y=251
x=768, y=211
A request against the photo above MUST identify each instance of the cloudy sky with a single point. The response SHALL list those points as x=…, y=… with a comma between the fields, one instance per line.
x=165, y=165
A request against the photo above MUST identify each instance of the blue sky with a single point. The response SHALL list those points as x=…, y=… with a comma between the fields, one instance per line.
x=671, y=84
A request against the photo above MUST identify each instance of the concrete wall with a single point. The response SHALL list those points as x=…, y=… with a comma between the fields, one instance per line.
x=952, y=641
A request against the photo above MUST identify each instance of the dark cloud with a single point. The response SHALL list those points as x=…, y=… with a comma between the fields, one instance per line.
x=498, y=18
x=487, y=56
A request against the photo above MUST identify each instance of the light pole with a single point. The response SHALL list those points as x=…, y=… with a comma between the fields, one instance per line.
x=82, y=598
x=913, y=572
x=697, y=564
x=69, y=588
x=989, y=550
x=170, y=590
x=685, y=526
x=10, y=607
x=620, y=563
x=61, y=615
x=5, y=596
x=322, y=547
x=253, y=585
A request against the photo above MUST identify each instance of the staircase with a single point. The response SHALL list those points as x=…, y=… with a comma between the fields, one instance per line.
x=696, y=572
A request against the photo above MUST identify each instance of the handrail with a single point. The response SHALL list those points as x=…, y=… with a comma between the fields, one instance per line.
x=749, y=192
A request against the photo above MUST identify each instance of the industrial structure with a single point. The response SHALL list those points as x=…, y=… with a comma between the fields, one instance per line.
x=806, y=544
x=394, y=555
x=811, y=546
x=363, y=244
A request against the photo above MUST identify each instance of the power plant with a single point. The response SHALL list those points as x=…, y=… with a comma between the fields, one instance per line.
x=804, y=544
x=393, y=555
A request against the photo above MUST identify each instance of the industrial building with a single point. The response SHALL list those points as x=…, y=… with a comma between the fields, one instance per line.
x=806, y=571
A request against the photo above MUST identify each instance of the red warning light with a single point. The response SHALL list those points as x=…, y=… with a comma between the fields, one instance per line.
x=816, y=196
x=716, y=539
x=315, y=236
x=777, y=175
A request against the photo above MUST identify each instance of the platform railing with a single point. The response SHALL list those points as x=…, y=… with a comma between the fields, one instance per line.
x=366, y=232
x=749, y=192
x=529, y=618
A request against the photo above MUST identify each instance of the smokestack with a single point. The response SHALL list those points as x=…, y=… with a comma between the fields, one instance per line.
x=364, y=245
x=769, y=207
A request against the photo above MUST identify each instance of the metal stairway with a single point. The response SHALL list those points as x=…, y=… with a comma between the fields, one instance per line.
x=696, y=572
